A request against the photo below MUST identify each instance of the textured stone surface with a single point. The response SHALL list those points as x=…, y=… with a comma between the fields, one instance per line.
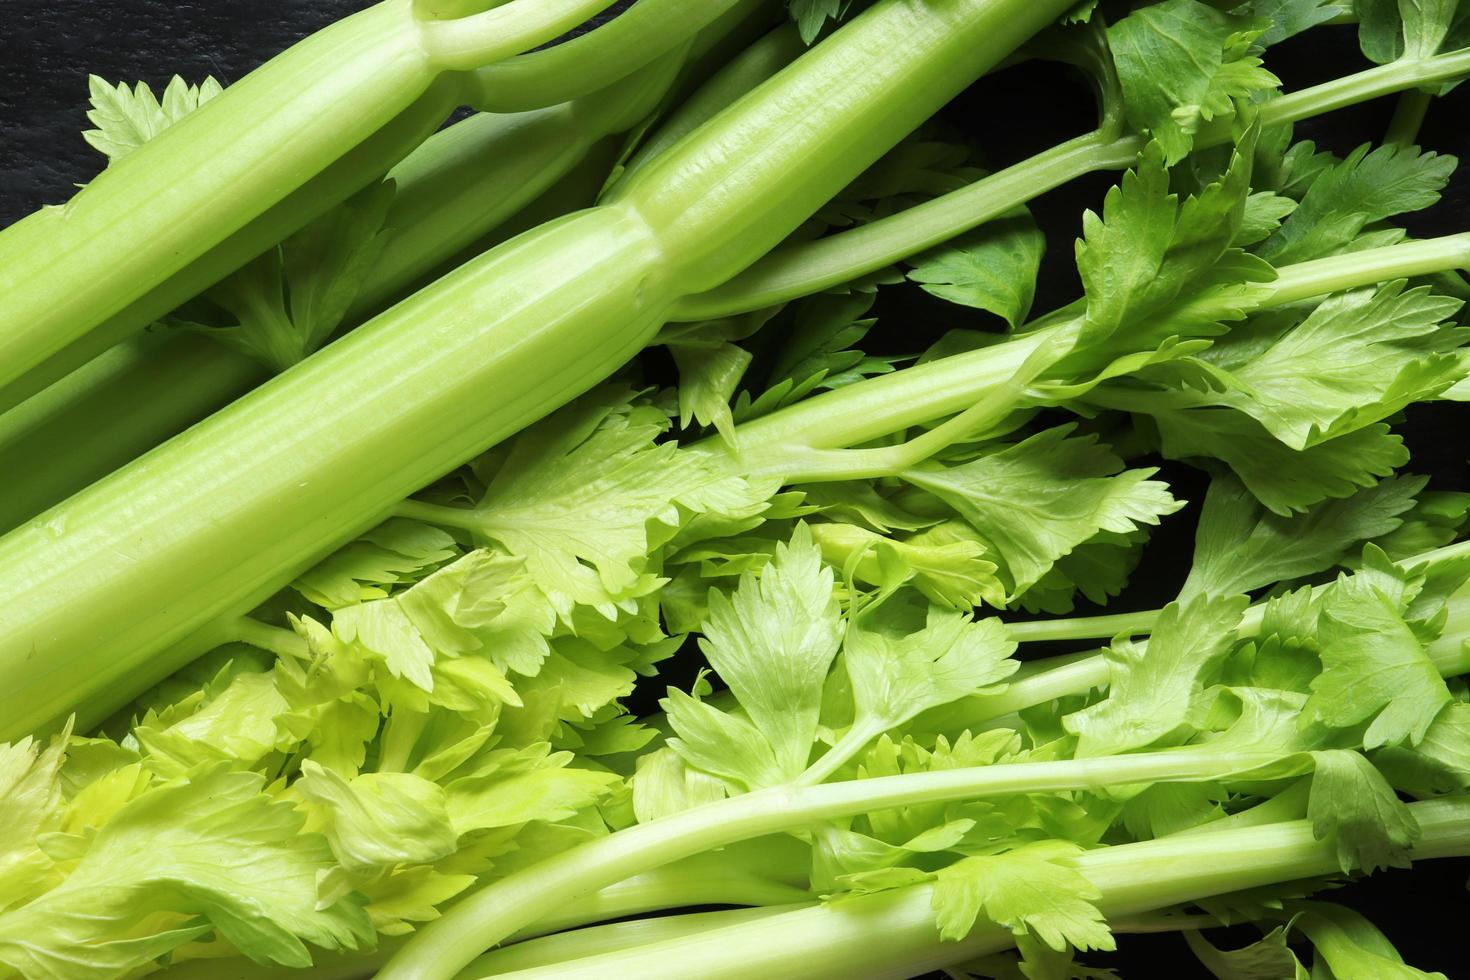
x=49, y=47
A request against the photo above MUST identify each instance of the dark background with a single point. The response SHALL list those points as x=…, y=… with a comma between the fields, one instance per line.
x=48, y=47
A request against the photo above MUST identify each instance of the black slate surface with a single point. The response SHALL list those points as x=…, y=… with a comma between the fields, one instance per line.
x=47, y=48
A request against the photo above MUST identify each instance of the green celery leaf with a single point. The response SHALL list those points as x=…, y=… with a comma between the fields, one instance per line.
x=416, y=632
x=663, y=785
x=945, y=562
x=1168, y=808
x=1411, y=29
x=886, y=757
x=772, y=643
x=1345, y=196
x=1154, y=267
x=126, y=118
x=711, y=366
x=1037, y=500
x=1156, y=689
x=1098, y=568
x=1240, y=547
x=1352, y=804
x=1437, y=518
x=992, y=268
x=1289, y=18
x=30, y=801
x=1350, y=945
x=818, y=352
x=1268, y=958
x=1182, y=63
x=859, y=502
x=1264, y=212
x=1283, y=479
x=1374, y=667
x=212, y=845
x=708, y=378
x=287, y=303
x=409, y=895
x=1440, y=763
x=812, y=15
x=396, y=552
x=723, y=744
x=232, y=719
x=516, y=786
x=586, y=494
x=1029, y=891
x=1360, y=357
x=378, y=819
x=578, y=680
x=896, y=672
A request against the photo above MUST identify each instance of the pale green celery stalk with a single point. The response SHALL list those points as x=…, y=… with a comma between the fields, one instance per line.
x=599, y=58
x=66, y=271
x=1084, y=627
x=624, y=937
x=111, y=411
x=1080, y=675
x=744, y=72
x=614, y=937
x=451, y=192
x=810, y=267
x=119, y=585
x=841, y=940
x=578, y=189
x=446, y=945
x=771, y=871
x=471, y=177
x=1408, y=117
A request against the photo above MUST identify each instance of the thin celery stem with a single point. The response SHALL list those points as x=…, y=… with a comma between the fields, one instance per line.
x=1322, y=276
x=599, y=58
x=503, y=31
x=847, y=746
x=1084, y=627
x=487, y=917
x=761, y=60
x=710, y=879
x=281, y=642
x=1364, y=85
x=1408, y=118
x=611, y=938
x=464, y=518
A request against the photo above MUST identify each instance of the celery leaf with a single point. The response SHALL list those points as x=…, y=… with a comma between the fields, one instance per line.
x=1029, y=891
x=126, y=118
x=1037, y=500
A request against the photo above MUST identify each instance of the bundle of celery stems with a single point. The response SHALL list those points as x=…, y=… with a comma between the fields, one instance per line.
x=558, y=544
